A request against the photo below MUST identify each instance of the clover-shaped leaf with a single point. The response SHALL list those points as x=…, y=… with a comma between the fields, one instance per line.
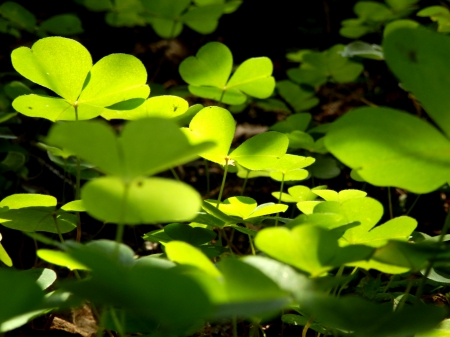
x=246, y=208
x=290, y=168
x=298, y=98
x=168, y=16
x=439, y=14
x=145, y=147
x=65, y=67
x=35, y=212
x=165, y=106
x=193, y=235
x=208, y=74
x=185, y=254
x=308, y=247
x=298, y=193
x=330, y=195
x=411, y=154
x=367, y=212
x=218, y=125
x=319, y=67
x=295, y=122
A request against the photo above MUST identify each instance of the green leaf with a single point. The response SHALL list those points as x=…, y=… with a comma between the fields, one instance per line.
x=363, y=49
x=298, y=98
x=411, y=154
x=65, y=67
x=15, y=88
x=442, y=330
x=166, y=106
x=115, y=78
x=330, y=195
x=205, y=19
x=142, y=200
x=124, y=156
x=308, y=247
x=23, y=295
x=261, y=151
x=418, y=58
x=194, y=236
x=35, y=212
x=405, y=23
x=238, y=288
x=208, y=72
x=212, y=124
x=135, y=288
x=4, y=257
x=372, y=319
x=325, y=167
x=246, y=208
x=44, y=277
x=253, y=77
x=62, y=24
x=318, y=66
x=18, y=15
x=299, y=193
x=210, y=67
x=290, y=167
x=185, y=254
x=298, y=121
x=56, y=63
x=60, y=259
x=74, y=206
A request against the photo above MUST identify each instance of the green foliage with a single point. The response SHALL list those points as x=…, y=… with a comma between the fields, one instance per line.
x=65, y=67
x=35, y=212
x=217, y=125
x=373, y=15
x=439, y=14
x=208, y=75
x=16, y=18
x=317, y=68
x=167, y=17
x=297, y=264
x=125, y=194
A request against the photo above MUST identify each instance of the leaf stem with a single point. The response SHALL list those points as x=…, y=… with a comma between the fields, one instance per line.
x=245, y=182
x=223, y=182
x=175, y=175
x=308, y=324
x=279, y=198
x=413, y=204
x=423, y=281
x=208, y=181
x=402, y=302
x=58, y=230
x=234, y=320
x=391, y=213
x=77, y=184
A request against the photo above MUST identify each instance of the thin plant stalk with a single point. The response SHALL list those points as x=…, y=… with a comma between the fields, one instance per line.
x=234, y=321
x=118, y=323
x=308, y=324
x=219, y=102
x=252, y=246
x=391, y=213
x=279, y=199
x=413, y=204
x=77, y=184
x=223, y=182
x=58, y=230
x=208, y=180
x=174, y=173
x=402, y=302
x=245, y=182
x=444, y=231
